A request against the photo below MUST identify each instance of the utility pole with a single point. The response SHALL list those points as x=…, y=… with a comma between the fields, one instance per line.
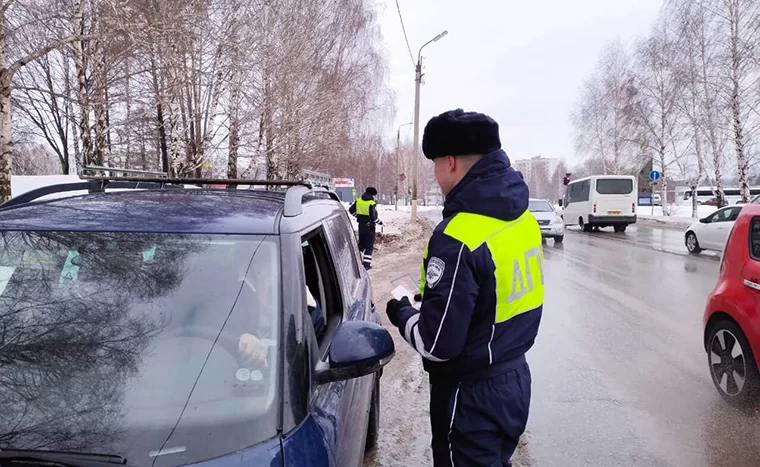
x=416, y=161
x=417, y=83
x=398, y=145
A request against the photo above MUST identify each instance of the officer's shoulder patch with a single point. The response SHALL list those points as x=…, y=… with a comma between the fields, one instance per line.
x=435, y=269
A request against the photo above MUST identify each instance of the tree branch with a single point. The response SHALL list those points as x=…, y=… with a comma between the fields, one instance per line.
x=18, y=64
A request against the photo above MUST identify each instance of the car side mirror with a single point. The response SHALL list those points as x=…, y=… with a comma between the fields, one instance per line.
x=559, y=202
x=704, y=220
x=357, y=348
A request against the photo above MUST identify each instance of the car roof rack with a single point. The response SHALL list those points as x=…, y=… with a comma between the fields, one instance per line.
x=293, y=196
x=91, y=186
x=97, y=168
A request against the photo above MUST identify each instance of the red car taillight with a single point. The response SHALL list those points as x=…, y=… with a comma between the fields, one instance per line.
x=633, y=207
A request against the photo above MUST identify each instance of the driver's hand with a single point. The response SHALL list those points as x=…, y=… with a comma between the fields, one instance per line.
x=252, y=350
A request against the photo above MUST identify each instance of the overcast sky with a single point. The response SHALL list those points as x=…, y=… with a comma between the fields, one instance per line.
x=522, y=62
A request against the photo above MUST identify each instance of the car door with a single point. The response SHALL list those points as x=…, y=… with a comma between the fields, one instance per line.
x=339, y=408
x=353, y=411
x=327, y=405
x=723, y=226
x=711, y=232
x=728, y=225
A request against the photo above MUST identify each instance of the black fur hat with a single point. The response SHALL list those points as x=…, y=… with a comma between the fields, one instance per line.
x=460, y=133
x=371, y=190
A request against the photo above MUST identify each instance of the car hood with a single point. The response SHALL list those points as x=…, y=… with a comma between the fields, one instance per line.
x=544, y=216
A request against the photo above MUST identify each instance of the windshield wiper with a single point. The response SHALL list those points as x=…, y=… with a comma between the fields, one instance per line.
x=59, y=458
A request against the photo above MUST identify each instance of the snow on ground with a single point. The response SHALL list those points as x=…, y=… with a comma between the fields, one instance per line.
x=680, y=216
x=393, y=220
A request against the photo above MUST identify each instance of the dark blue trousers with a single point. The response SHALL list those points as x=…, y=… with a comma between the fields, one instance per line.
x=366, y=242
x=479, y=423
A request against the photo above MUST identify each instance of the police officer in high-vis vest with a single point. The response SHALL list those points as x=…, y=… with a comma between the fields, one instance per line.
x=366, y=216
x=482, y=290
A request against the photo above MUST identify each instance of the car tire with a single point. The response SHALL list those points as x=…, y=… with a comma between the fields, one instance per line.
x=373, y=424
x=584, y=226
x=559, y=238
x=735, y=376
x=620, y=228
x=691, y=242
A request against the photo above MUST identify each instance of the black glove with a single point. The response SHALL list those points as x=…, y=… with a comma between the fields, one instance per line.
x=393, y=308
x=379, y=222
x=418, y=297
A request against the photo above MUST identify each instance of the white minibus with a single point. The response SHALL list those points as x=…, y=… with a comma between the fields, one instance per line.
x=601, y=201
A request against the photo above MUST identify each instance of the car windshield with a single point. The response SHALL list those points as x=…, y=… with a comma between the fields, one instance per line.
x=539, y=205
x=614, y=186
x=128, y=343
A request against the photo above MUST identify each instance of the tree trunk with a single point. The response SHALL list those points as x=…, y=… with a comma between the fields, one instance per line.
x=700, y=173
x=6, y=141
x=6, y=133
x=70, y=120
x=271, y=160
x=742, y=163
x=160, y=120
x=232, y=158
x=101, y=125
x=80, y=64
x=128, y=109
x=663, y=179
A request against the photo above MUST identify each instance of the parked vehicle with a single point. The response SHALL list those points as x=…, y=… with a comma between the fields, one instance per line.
x=601, y=201
x=732, y=314
x=711, y=232
x=549, y=220
x=167, y=326
x=706, y=195
x=714, y=202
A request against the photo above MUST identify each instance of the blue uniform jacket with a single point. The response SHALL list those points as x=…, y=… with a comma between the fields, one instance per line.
x=457, y=330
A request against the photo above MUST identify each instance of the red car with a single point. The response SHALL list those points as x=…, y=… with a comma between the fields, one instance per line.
x=732, y=314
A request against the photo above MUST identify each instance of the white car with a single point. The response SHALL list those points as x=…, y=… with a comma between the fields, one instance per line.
x=711, y=232
x=549, y=220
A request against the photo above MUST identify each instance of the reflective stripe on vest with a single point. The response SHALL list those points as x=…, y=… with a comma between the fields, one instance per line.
x=362, y=207
x=423, y=279
x=515, y=248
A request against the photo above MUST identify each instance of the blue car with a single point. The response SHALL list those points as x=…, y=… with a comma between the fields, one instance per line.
x=143, y=323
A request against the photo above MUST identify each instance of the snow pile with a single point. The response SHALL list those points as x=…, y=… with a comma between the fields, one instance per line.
x=394, y=221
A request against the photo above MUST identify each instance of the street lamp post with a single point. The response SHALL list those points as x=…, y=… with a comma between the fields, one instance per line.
x=398, y=144
x=417, y=83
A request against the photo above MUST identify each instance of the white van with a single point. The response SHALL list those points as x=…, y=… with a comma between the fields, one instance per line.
x=601, y=201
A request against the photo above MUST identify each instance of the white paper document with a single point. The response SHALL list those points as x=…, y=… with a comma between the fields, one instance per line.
x=400, y=291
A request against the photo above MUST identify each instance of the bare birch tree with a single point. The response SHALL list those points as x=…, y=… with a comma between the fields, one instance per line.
x=602, y=116
x=16, y=20
x=655, y=105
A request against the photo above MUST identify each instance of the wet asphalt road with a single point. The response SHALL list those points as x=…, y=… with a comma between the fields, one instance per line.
x=620, y=377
